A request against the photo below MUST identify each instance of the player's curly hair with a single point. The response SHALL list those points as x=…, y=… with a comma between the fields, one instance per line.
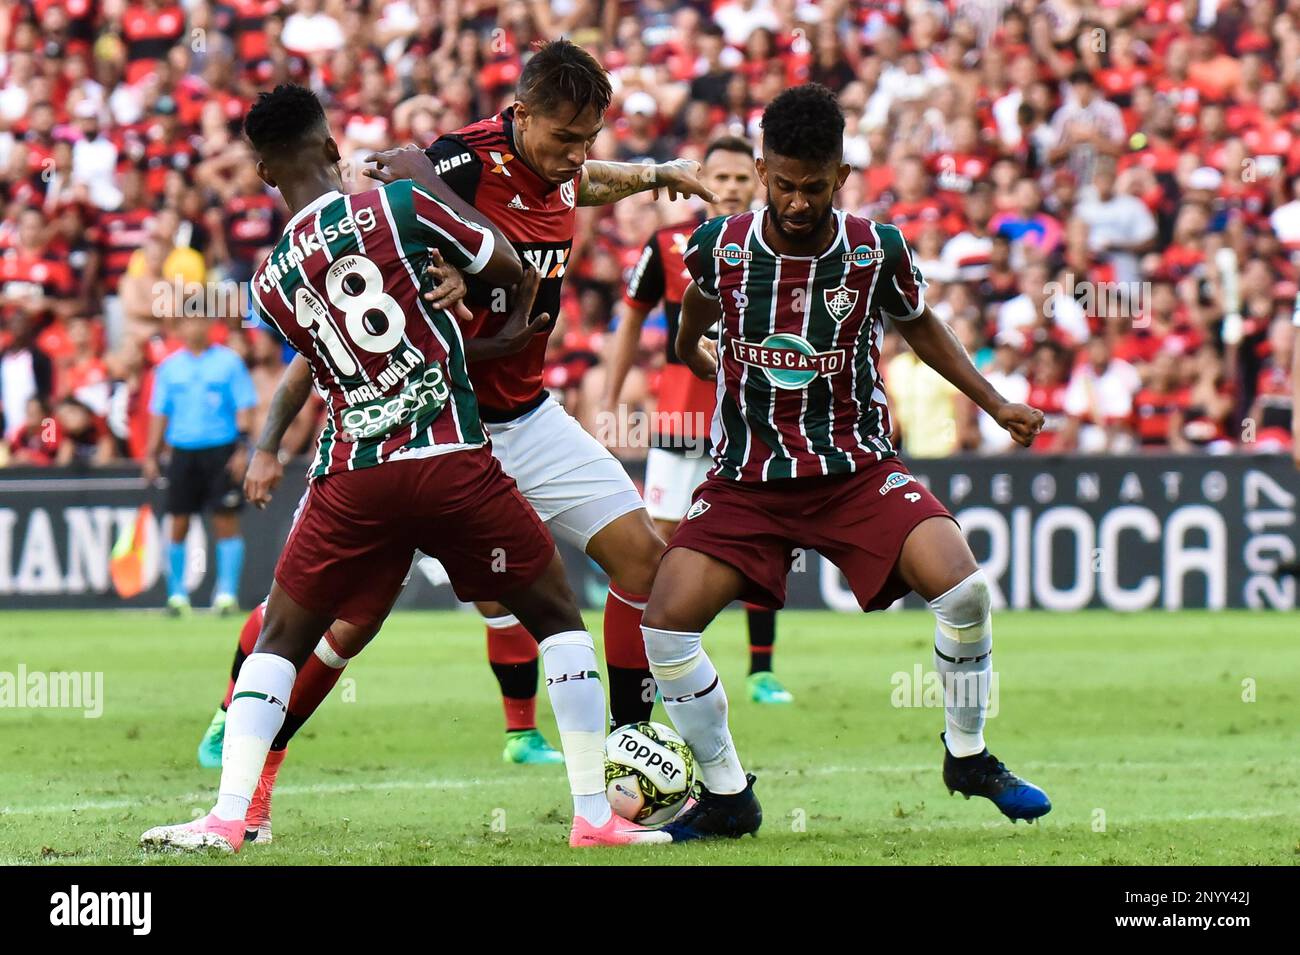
x=280, y=120
x=561, y=73
x=804, y=122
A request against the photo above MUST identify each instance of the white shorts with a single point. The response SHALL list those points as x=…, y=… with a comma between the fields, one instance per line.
x=670, y=480
x=572, y=481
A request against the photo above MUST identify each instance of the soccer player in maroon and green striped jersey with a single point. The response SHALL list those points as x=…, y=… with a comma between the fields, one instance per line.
x=676, y=465
x=803, y=458
x=403, y=464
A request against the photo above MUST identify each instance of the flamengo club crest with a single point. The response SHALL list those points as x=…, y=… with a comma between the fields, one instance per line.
x=840, y=301
x=787, y=360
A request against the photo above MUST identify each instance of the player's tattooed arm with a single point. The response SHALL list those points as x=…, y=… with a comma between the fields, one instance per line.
x=699, y=313
x=936, y=345
x=265, y=470
x=605, y=182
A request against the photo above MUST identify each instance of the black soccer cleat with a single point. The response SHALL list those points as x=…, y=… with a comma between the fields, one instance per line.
x=715, y=815
x=984, y=775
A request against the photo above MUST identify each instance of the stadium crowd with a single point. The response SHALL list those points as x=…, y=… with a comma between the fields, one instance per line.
x=1103, y=196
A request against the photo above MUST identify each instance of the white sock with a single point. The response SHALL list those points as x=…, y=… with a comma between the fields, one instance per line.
x=573, y=682
x=963, y=646
x=697, y=704
x=255, y=715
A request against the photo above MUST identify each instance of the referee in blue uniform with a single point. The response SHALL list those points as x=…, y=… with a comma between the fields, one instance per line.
x=201, y=405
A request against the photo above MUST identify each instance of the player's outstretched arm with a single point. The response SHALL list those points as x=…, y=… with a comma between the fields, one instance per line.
x=410, y=162
x=264, y=468
x=605, y=182
x=938, y=347
x=699, y=312
x=627, y=338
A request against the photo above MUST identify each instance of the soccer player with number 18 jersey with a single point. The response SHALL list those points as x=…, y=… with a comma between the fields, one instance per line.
x=803, y=458
x=402, y=464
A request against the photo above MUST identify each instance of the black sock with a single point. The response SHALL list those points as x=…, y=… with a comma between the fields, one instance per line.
x=631, y=694
x=762, y=634
x=518, y=681
x=291, y=725
x=236, y=665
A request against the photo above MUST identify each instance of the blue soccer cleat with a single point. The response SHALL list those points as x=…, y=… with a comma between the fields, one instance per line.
x=529, y=748
x=214, y=737
x=984, y=775
x=715, y=815
x=764, y=687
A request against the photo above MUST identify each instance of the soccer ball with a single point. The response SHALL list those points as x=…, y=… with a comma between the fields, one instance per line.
x=649, y=772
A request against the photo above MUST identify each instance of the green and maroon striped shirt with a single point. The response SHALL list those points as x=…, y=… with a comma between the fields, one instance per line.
x=799, y=388
x=343, y=285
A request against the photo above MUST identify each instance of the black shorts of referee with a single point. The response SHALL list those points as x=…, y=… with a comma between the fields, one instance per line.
x=198, y=480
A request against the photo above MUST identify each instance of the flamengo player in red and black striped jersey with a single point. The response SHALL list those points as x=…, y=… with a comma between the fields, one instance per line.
x=402, y=465
x=803, y=458
x=527, y=170
x=677, y=461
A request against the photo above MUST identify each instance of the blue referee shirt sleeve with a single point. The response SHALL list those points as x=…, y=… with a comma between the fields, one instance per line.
x=160, y=402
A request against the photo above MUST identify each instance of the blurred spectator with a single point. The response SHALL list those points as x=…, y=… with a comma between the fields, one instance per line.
x=1029, y=167
x=1120, y=226
x=1160, y=407
x=924, y=406
x=35, y=443
x=1086, y=126
x=1004, y=375
x=1270, y=414
x=26, y=372
x=1043, y=310
x=1099, y=401
x=84, y=439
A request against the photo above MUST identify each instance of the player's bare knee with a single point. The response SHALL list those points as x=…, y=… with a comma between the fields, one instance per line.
x=635, y=570
x=963, y=612
x=662, y=613
x=490, y=608
x=351, y=639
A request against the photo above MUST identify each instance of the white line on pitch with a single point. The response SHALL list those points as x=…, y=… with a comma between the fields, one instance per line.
x=109, y=805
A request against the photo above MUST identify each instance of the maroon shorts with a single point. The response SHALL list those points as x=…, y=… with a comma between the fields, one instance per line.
x=856, y=521
x=354, y=540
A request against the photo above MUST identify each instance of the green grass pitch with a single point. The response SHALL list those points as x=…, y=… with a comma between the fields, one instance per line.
x=1162, y=738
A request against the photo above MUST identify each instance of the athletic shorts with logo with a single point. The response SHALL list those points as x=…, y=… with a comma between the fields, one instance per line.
x=856, y=521
x=351, y=546
x=576, y=486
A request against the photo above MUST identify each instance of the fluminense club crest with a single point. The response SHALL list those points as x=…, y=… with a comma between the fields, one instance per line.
x=698, y=508
x=840, y=301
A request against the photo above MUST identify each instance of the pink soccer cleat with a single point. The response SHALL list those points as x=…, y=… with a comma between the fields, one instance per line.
x=226, y=835
x=257, y=824
x=616, y=832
